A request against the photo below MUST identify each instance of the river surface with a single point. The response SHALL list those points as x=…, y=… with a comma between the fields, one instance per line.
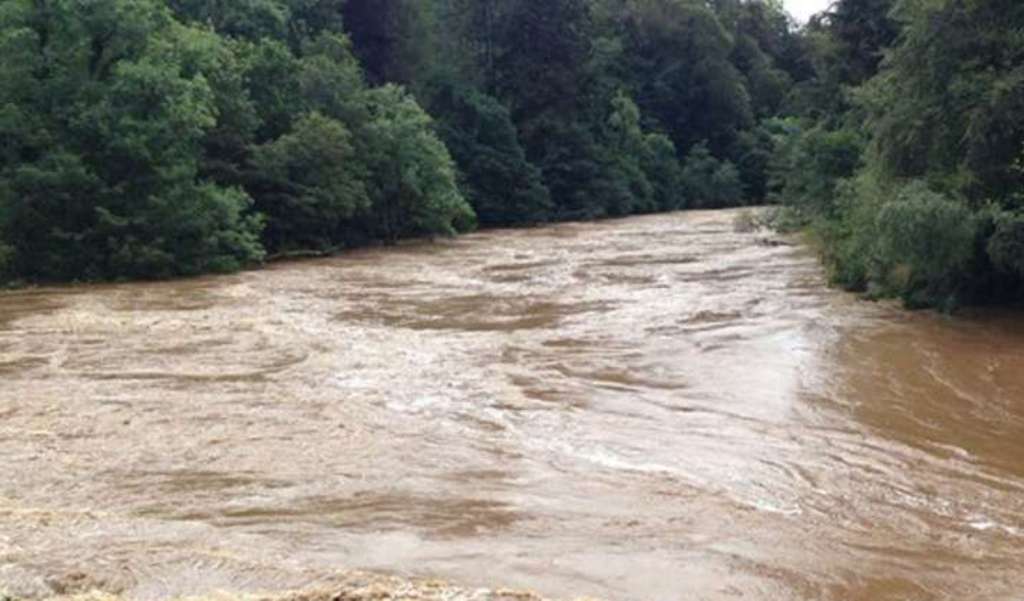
x=658, y=408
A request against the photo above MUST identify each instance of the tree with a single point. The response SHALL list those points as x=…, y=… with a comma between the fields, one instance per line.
x=679, y=55
x=311, y=183
x=927, y=208
x=708, y=182
x=412, y=188
x=251, y=19
x=391, y=37
x=661, y=164
x=499, y=183
x=101, y=179
x=542, y=59
x=627, y=152
x=152, y=138
x=951, y=97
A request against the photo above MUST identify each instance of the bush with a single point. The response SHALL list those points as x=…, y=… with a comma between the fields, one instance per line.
x=848, y=236
x=1006, y=246
x=925, y=240
x=6, y=253
x=708, y=182
x=103, y=177
x=812, y=163
x=661, y=164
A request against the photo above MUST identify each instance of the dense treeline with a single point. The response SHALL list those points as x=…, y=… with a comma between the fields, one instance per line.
x=905, y=151
x=150, y=139
x=156, y=138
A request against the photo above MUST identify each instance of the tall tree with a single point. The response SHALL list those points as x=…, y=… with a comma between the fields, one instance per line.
x=679, y=55
x=106, y=106
x=541, y=63
x=392, y=37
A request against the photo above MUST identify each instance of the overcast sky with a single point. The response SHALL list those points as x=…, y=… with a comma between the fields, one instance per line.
x=802, y=9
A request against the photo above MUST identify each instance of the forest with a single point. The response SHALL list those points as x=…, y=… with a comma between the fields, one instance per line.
x=166, y=138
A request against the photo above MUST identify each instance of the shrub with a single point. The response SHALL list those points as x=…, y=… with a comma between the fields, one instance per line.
x=6, y=253
x=664, y=172
x=310, y=182
x=1006, y=246
x=412, y=187
x=708, y=182
x=811, y=164
x=924, y=242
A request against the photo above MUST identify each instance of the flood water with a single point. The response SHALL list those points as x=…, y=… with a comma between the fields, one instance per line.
x=658, y=408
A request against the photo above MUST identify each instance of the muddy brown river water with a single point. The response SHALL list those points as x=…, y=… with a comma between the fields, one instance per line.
x=659, y=408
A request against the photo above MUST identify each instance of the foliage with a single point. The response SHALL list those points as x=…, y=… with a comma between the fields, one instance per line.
x=412, y=187
x=503, y=188
x=626, y=148
x=810, y=164
x=950, y=99
x=153, y=138
x=391, y=37
x=754, y=152
x=1006, y=245
x=708, y=182
x=100, y=173
x=311, y=182
x=663, y=171
x=924, y=204
x=678, y=57
x=924, y=242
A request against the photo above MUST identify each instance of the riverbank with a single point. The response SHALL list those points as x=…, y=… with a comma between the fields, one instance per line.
x=355, y=586
x=303, y=255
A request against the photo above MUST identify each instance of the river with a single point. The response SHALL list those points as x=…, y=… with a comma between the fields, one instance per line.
x=657, y=408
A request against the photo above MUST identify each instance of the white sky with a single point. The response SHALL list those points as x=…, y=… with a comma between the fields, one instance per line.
x=802, y=9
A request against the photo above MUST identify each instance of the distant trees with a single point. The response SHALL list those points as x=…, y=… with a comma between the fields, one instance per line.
x=501, y=185
x=155, y=138
x=311, y=183
x=391, y=37
x=908, y=158
x=412, y=185
x=677, y=55
x=141, y=142
x=103, y=111
x=710, y=183
x=541, y=71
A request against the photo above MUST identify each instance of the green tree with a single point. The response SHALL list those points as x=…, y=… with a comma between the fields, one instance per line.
x=542, y=74
x=412, y=186
x=678, y=53
x=101, y=179
x=949, y=103
x=627, y=156
x=252, y=19
x=924, y=242
x=392, y=37
x=503, y=188
x=311, y=184
x=708, y=182
x=661, y=164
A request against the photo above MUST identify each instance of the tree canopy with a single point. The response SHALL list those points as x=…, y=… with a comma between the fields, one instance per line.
x=905, y=151
x=158, y=138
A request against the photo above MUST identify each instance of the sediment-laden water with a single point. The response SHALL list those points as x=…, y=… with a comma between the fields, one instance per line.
x=658, y=408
